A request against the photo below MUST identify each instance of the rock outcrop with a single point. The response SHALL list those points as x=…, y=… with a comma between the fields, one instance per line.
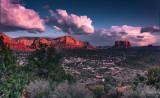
x=122, y=44
x=31, y=43
x=14, y=45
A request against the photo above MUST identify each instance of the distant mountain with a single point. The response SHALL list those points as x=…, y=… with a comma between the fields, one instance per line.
x=14, y=45
x=103, y=47
x=31, y=43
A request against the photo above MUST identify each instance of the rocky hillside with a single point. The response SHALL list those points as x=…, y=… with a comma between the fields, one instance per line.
x=31, y=43
x=15, y=45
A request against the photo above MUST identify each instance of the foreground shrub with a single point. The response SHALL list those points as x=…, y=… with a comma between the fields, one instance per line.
x=142, y=91
x=12, y=77
x=98, y=91
x=38, y=89
x=114, y=93
x=75, y=90
x=153, y=77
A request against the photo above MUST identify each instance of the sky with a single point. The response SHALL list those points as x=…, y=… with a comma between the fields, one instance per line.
x=100, y=22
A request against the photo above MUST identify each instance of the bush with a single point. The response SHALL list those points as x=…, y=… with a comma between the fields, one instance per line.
x=98, y=91
x=153, y=77
x=66, y=90
x=12, y=77
x=114, y=93
x=142, y=91
x=38, y=89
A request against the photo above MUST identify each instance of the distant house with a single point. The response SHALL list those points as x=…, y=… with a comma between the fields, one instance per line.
x=99, y=77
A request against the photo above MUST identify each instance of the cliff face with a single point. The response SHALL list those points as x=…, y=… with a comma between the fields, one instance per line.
x=14, y=45
x=122, y=44
x=31, y=43
x=65, y=42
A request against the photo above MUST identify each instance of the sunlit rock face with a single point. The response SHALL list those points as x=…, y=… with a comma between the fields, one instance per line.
x=32, y=43
x=70, y=42
x=14, y=45
x=65, y=42
x=122, y=44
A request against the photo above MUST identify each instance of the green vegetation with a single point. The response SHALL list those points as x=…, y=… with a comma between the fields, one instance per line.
x=45, y=63
x=12, y=77
x=142, y=91
x=98, y=91
x=153, y=77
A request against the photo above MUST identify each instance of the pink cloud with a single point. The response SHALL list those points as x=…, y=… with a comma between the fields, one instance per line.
x=17, y=17
x=70, y=23
x=57, y=28
x=130, y=33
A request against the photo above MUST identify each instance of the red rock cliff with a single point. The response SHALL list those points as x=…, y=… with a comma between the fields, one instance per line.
x=65, y=42
x=15, y=45
x=122, y=44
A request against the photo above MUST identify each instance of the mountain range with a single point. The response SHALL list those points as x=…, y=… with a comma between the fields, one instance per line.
x=31, y=43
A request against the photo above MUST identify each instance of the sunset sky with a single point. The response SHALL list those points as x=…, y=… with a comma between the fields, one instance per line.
x=101, y=22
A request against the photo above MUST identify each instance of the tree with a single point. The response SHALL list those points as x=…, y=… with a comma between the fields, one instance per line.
x=153, y=77
x=45, y=62
x=12, y=78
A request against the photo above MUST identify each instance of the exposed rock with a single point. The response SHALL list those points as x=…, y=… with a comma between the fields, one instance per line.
x=122, y=44
x=30, y=43
x=14, y=45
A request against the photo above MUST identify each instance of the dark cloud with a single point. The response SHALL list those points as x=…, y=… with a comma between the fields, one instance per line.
x=140, y=36
x=153, y=29
x=123, y=33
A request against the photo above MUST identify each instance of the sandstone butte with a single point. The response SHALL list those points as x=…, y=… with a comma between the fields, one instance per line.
x=122, y=44
x=31, y=43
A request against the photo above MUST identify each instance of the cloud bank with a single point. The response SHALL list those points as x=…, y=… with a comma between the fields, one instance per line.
x=79, y=26
x=16, y=17
x=70, y=23
x=124, y=32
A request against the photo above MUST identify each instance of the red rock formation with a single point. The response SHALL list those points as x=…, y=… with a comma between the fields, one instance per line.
x=70, y=42
x=122, y=44
x=30, y=43
x=14, y=45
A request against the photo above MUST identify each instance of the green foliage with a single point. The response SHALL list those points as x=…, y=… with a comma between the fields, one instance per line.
x=38, y=89
x=42, y=94
x=98, y=91
x=74, y=90
x=153, y=77
x=142, y=91
x=45, y=62
x=114, y=93
x=12, y=78
x=107, y=87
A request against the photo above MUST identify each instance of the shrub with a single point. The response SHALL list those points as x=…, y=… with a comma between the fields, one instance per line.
x=114, y=93
x=38, y=89
x=98, y=91
x=75, y=90
x=153, y=77
x=12, y=77
x=142, y=91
